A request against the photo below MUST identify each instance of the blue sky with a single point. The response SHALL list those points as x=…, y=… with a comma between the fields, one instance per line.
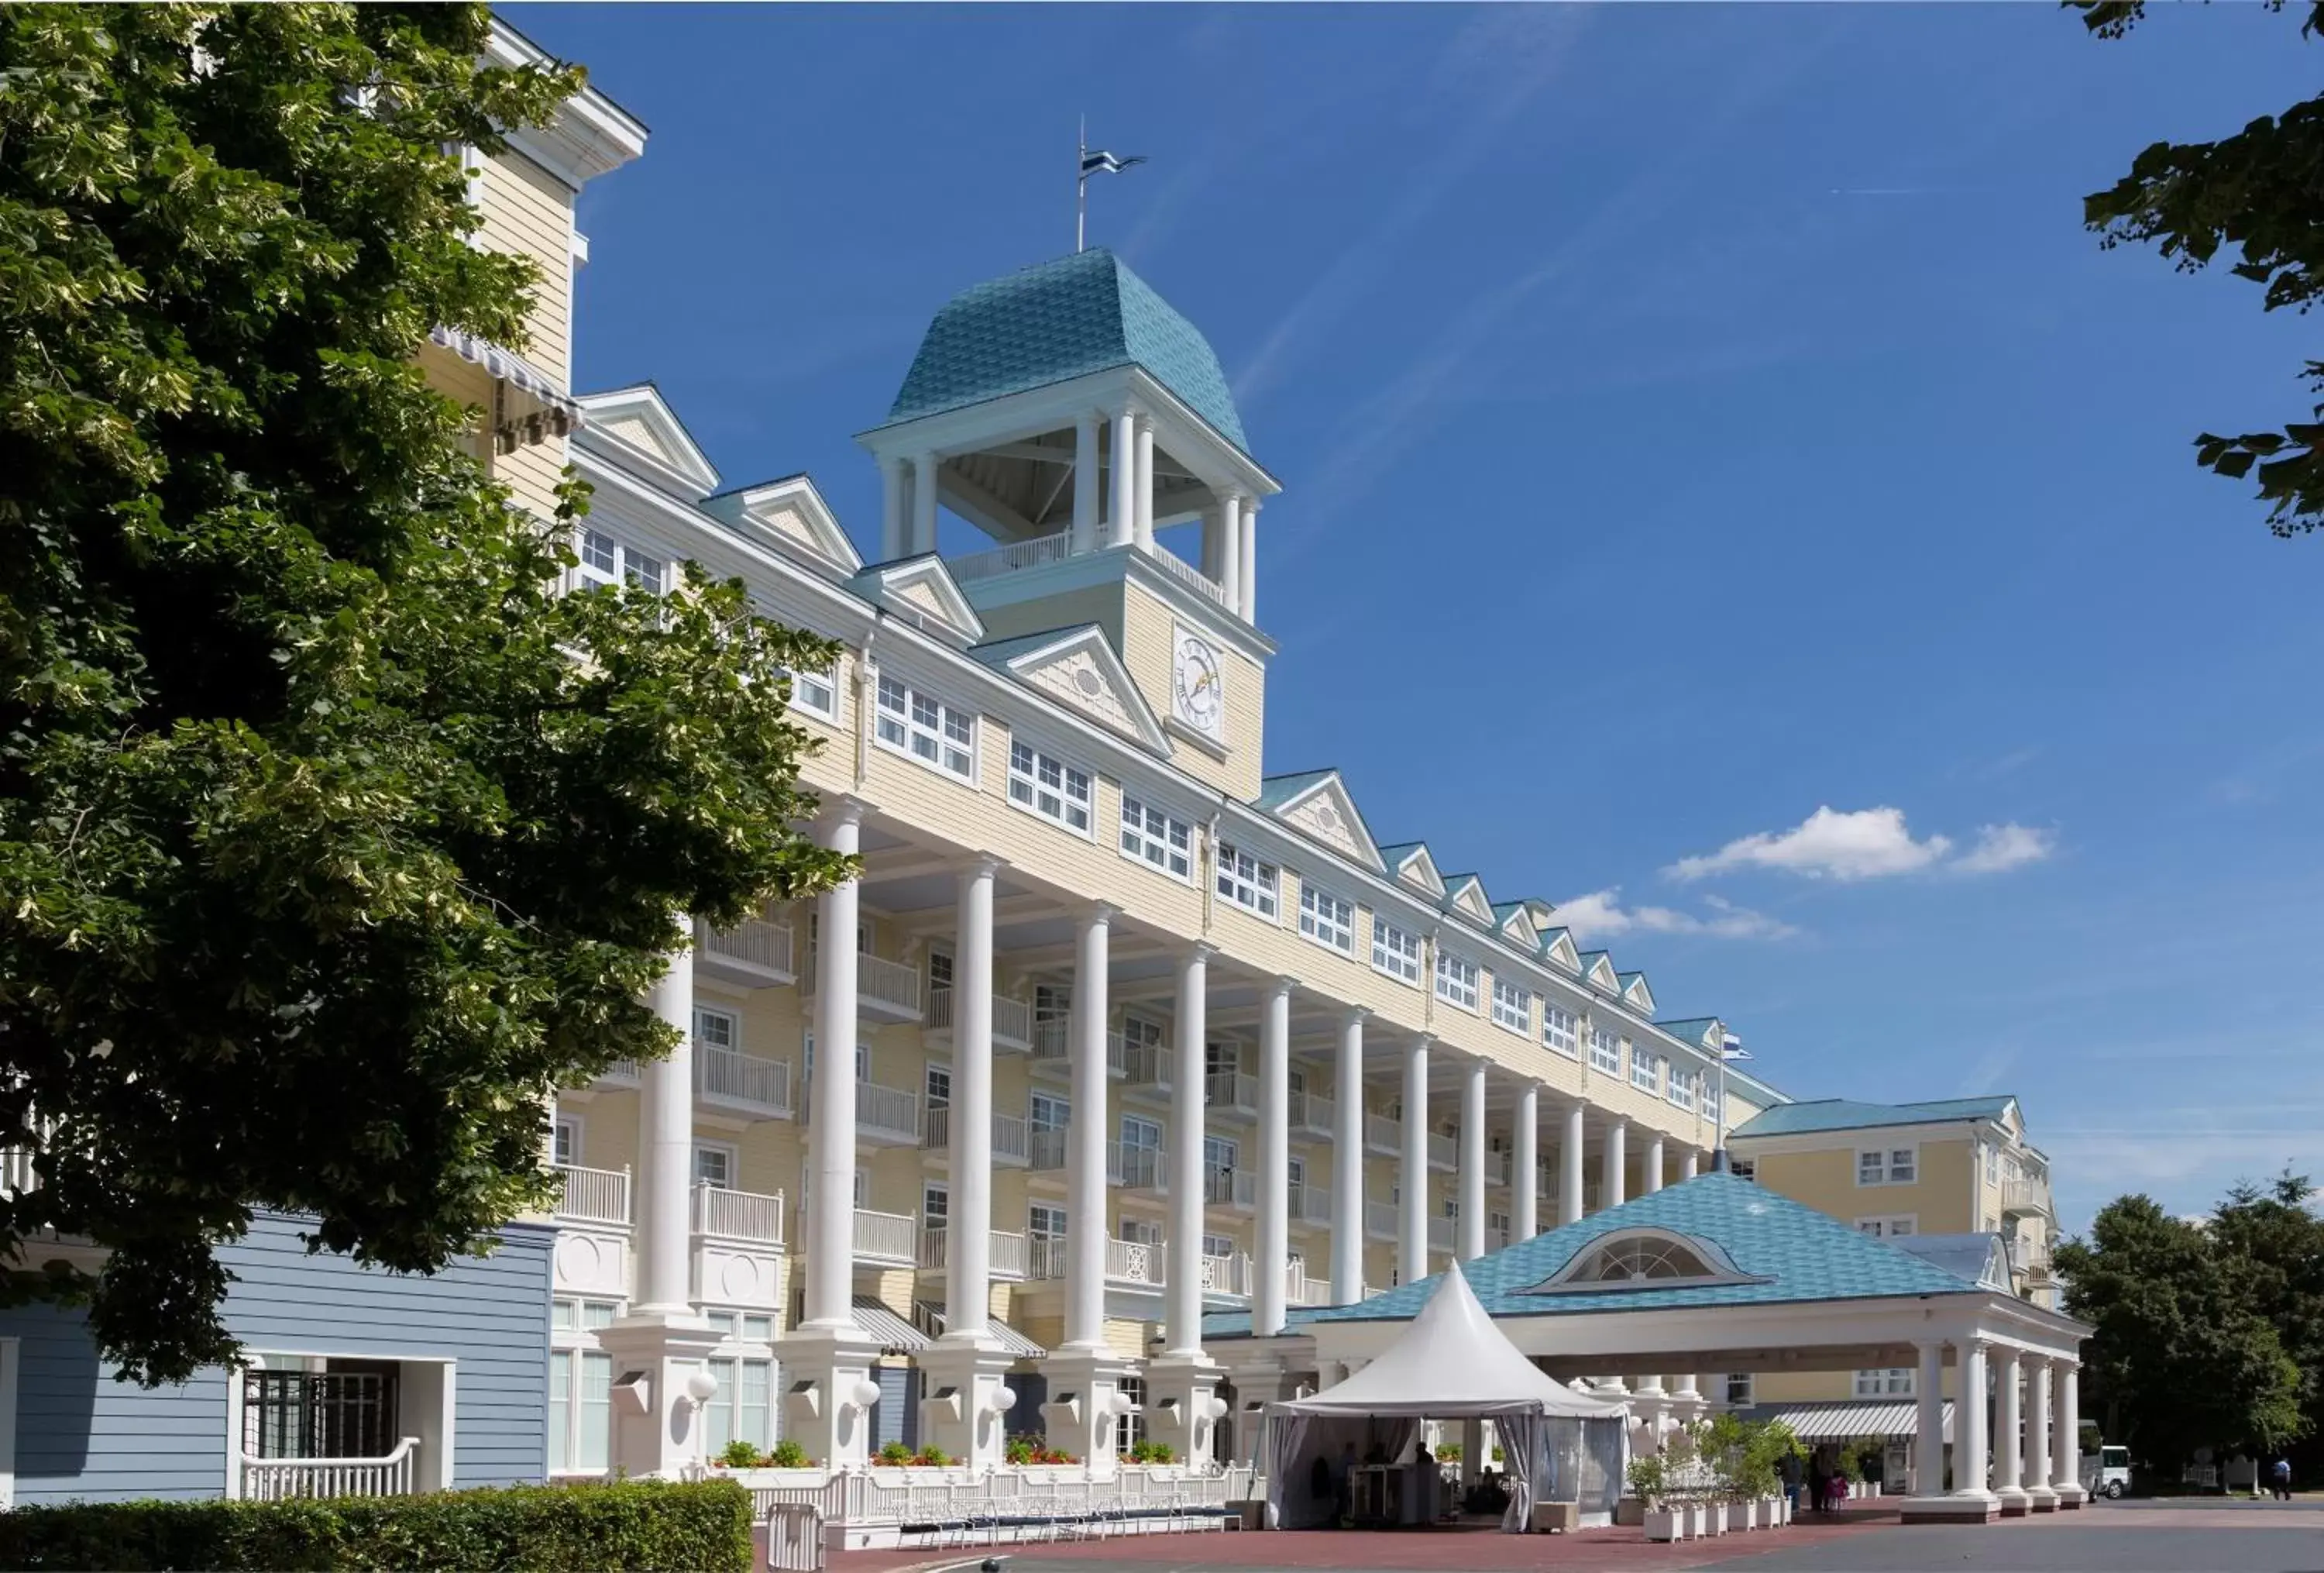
x=1690, y=420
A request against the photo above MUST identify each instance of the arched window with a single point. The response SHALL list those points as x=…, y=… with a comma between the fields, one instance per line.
x=1636, y=1259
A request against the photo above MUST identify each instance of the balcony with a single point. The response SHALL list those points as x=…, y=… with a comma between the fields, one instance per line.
x=1227, y=1275
x=1379, y=1219
x=1499, y=1167
x=753, y=954
x=1231, y=1096
x=738, y=1215
x=2025, y=1198
x=1143, y=1064
x=1009, y=1135
x=1013, y=1022
x=1045, y=1257
x=1383, y=1137
x=621, y=1076
x=592, y=1195
x=1053, y=1050
x=1311, y=1204
x=1443, y=1155
x=1135, y=1168
x=1005, y=1259
x=1311, y=1115
x=1299, y=1290
x=886, y=1239
x=1440, y=1234
x=1136, y=1262
x=1045, y=1148
x=1040, y=550
x=887, y=1116
x=885, y=991
x=744, y=1084
x=1231, y=1188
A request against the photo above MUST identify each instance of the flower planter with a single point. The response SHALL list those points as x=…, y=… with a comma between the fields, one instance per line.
x=1663, y=1523
x=1738, y=1515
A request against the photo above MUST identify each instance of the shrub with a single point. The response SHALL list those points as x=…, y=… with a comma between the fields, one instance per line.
x=933, y=1458
x=894, y=1453
x=789, y=1455
x=645, y=1525
x=739, y=1454
x=1145, y=1452
x=1448, y=1453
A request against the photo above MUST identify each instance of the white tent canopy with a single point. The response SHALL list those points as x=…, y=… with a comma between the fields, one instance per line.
x=1451, y=1363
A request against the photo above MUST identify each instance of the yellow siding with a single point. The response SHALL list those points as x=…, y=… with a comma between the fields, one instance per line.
x=1148, y=625
x=530, y=211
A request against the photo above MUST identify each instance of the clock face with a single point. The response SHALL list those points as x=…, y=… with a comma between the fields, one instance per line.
x=1198, y=689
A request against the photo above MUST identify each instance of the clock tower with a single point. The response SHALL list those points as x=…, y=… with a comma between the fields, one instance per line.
x=1084, y=426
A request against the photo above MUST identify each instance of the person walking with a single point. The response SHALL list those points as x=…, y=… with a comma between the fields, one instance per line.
x=2280, y=1474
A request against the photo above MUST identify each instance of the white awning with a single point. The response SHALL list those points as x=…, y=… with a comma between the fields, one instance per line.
x=1843, y=1423
x=894, y=1335
x=538, y=406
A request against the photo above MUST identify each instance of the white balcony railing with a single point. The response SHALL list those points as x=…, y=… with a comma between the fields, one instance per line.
x=593, y=1195
x=1008, y=1134
x=1440, y=1234
x=1134, y=1168
x=1442, y=1153
x=738, y=1215
x=1008, y=558
x=1005, y=1253
x=1498, y=1167
x=882, y=987
x=743, y=1081
x=1380, y=1220
x=1012, y=1020
x=2025, y=1195
x=1045, y=1148
x=1045, y=1257
x=1177, y=568
x=750, y=951
x=1226, y=1274
x=1312, y=1112
x=1230, y=1090
x=1052, y=1039
x=277, y=1479
x=889, y=1111
x=619, y=1074
x=1008, y=1259
x=1135, y=1261
x=1231, y=1188
x=1311, y=1204
x=1382, y=1134
x=1143, y=1064
x=887, y=1237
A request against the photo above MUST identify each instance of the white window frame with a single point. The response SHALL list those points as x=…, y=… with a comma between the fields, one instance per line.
x=1679, y=1085
x=1560, y=1033
x=1396, y=951
x=1513, y=1007
x=1169, y=850
x=1071, y=793
x=1605, y=1051
x=1645, y=1070
x=566, y=1142
x=578, y=1366
x=1741, y=1382
x=730, y=1157
x=1889, y=1381
x=725, y=1021
x=1326, y=918
x=1456, y=981
x=1246, y=880
x=816, y=692
x=608, y=560
x=1889, y=1225
x=1879, y=1165
x=908, y=731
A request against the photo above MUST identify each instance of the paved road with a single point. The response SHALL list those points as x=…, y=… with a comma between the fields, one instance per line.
x=2125, y=1536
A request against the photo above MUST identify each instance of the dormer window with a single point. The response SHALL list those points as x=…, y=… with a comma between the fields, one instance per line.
x=1634, y=1259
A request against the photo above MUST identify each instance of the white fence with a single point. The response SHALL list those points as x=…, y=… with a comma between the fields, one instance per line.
x=1008, y=558
x=738, y=1215
x=887, y=1237
x=597, y=1196
x=275, y=1479
x=1010, y=1504
x=793, y=1535
x=745, y=1081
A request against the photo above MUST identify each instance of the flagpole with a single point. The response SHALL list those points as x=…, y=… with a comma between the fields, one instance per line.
x=1081, y=189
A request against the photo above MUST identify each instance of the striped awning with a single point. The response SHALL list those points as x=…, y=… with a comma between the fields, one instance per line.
x=540, y=408
x=1008, y=1337
x=892, y=1333
x=1842, y=1423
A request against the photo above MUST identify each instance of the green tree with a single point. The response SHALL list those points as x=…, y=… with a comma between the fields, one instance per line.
x=2180, y=1358
x=332, y=838
x=2254, y=190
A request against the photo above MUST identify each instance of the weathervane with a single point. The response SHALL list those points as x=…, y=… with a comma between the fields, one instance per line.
x=1093, y=164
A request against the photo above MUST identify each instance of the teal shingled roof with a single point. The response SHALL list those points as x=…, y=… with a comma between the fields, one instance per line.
x=1840, y=1113
x=1788, y=1252
x=1056, y=320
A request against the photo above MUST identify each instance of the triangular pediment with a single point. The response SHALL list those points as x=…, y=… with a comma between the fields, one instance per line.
x=1599, y=968
x=1515, y=924
x=1703, y=1032
x=1411, y=863
x=1320, y=808
x=1635, y=994
x=1557, y=947
x=921, y=591
x=1079, y=669
x=1465, y=893
x=789, y=516
x=640, y=422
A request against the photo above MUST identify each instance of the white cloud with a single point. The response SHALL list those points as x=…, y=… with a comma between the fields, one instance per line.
x=1600, y=915
x=2001, y=847
x=1866, y=844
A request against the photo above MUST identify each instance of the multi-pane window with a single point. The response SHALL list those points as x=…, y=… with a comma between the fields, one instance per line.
x=742, y=1410
x=566, y=1149
x=1645, y=1071
x=1456, y=980
x=605, y=560
x=1891, y=1381
x=1557, y=1029
x=1327, y=919
x=1739, y=1389
x=580, y=1412
x=1605, y=1051
x=1247, y=881
x=1891, y=1227
x=717, y=1028
x=1681, y=1089
x=1043, y=785
x=1155, y=838
x=1394, y=951
x=713, y=1165
x=938, y=1083
x=1710, y=1100
x=931, y=731
x=1130, y=1428
x=817, y=692
x=1887, y=1166
x=1512, y=1006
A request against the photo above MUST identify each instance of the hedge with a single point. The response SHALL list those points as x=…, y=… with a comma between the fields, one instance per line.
x=645, y=1525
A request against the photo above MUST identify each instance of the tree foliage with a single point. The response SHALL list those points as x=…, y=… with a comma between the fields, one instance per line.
x=2206, y=1331
x=2261, y=192
x=332, y=837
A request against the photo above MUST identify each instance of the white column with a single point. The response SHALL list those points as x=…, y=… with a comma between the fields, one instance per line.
x=1231, y=508
x=1412, y=1234
x=894, y=500
x=1651, y=1181
x=831, y=1129
x=1085, y=1190
x=1569, y=1167
x=2066, y=1442
x=1348, y=1163
x=1616, y=1158
x=1469, y=1243
x=1525, y=1144
x=665, y=1139
x=1122, y=522
x=968, y=1282
x=1250, y=544
x=1929, y=1439
x=1970, y=1421
x=1145, y=487
x=1690, y=1162
x=1182, y=1295
x=2041, y=1497
x=1086, y=493
x=924, y=504
x=2009, y=1431
x=1274, y=1196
